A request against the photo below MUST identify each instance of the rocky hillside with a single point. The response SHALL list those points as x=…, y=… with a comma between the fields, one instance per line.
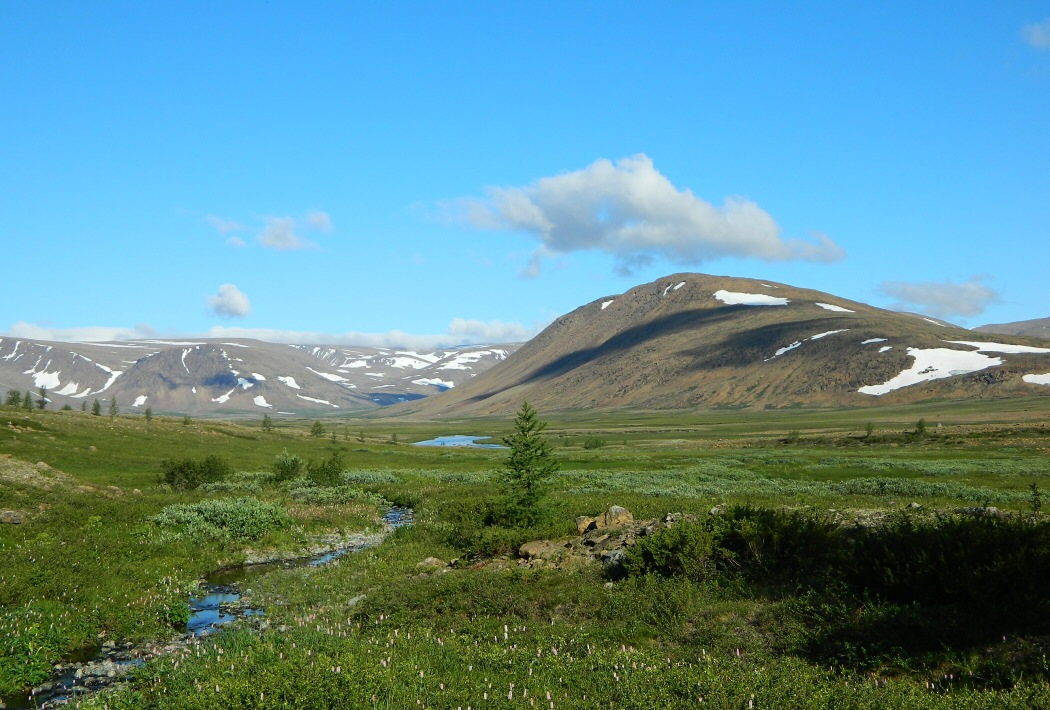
x=692, y=340
x=203, y=377
x=1037, y=328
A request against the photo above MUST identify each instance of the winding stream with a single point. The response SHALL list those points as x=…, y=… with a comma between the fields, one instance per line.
x=218, y=603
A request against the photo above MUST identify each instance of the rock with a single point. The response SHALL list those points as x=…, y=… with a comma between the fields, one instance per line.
x=717, y=510
x=614, y=517
x=431, y=563
x=584, y=523
x=913, y=506
x=613, y=563
x=12, y=517
x=989, y=511
x=541, y=550
x=92, y=448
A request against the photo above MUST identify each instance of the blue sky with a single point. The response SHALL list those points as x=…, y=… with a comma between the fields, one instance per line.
x=410, y=173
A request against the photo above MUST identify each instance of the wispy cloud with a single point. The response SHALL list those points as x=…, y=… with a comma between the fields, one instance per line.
x=229, y=302
x=236, y=241
x=88, y=334
x=223, y=226
x=461, y=331
x=943, y=300
x=631, y=211
x=320, y=221
x=279, y=234
x=1037, y=34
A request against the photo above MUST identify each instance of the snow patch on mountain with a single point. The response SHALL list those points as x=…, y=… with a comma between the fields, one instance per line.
x=447, y=384
x=934, y=364
x=1000, y=347
x=290, y=381
x=734, y=298
x=260, y=401
x=606, y=304
x=833, y=307
x=1037, y=379
x=140, y=400
x=318, y=401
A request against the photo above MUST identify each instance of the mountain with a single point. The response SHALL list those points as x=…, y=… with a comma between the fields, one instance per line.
x=698, y=341
x=204, y=377
x=1037, y=328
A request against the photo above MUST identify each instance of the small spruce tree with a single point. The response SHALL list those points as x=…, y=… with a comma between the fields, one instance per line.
x=96, y=407
x=529, y=465
x=267, y=423
x=317, y=430
x=41, y=402
x=149, y=414
x=27, y=401
x=113, y=408
x=14, y=398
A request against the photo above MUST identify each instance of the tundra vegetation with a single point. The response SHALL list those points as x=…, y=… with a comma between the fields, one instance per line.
x=850, y=566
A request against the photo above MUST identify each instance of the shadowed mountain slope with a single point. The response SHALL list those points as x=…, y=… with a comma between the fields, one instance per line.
x=692, y=340
x=1036, y=328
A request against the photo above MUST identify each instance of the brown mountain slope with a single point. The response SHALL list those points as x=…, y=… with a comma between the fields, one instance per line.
x=1036, y=328
x=685, y=341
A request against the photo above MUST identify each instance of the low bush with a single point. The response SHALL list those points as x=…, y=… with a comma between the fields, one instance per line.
x=227, y=518
x=188, y=474
x=288, y=466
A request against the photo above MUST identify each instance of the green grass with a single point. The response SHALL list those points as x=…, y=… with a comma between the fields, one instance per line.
x=94, y=563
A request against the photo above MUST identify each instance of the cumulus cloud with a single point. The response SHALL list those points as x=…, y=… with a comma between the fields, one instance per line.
x=279, y=234
x=223, y=226
x=942, y=300
x=631, y=211
x=229, y=302
x=320, y=221
x=1037, y=34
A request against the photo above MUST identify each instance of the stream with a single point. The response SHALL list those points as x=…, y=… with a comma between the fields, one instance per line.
x=218, y=602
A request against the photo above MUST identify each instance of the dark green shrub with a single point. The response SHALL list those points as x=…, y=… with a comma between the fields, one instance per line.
x=231, y=518
x=288, y=466
x=327, y=472
x=188, y=474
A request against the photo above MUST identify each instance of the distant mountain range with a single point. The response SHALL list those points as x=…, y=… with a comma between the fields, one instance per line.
x=235, y=377
x=698, y=341
x=1037, y=328
x=684, y=341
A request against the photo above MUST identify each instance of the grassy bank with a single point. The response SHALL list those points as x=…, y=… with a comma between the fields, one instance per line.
x=109, y=551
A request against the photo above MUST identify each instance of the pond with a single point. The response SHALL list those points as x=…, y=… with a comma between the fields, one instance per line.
x=460, y=440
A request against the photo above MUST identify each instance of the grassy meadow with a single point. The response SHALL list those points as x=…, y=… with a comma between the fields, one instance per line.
x=778, y=600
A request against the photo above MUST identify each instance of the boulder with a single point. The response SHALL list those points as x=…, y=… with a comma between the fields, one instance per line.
x=431, y=563
x=613, y=564
x=584, y=523
x=542, y=550
x=12, y=517
x=614, y=517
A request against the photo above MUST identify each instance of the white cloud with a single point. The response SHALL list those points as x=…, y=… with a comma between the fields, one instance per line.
x=279, y=234
x=630, y=210
x=230, y=302
x=320, y=221
x=460, y=331
x=87, y=334
x=236, y=241
x=223, y=226
x=1037, y=34
x=942, y=300
x=476, y=331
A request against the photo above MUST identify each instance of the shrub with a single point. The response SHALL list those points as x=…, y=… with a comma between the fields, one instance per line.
x=227, y=518
x=327, y=472
x=188, y=474
x=288, y=466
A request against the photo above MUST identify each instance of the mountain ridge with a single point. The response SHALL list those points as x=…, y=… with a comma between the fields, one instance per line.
x=698, y=341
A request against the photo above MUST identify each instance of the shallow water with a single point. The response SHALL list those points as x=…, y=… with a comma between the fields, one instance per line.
x=459, y=440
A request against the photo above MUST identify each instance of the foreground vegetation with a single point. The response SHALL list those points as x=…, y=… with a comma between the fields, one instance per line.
x=778, y=600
